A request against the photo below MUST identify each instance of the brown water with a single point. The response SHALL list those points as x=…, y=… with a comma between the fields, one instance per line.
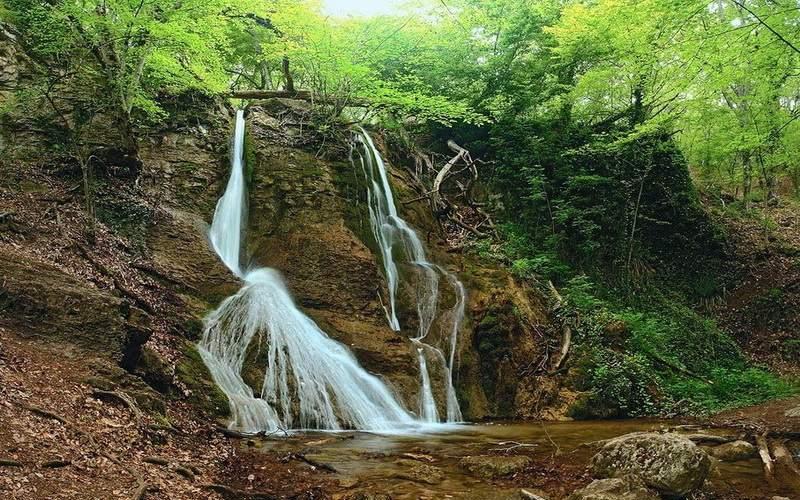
x=373, y=462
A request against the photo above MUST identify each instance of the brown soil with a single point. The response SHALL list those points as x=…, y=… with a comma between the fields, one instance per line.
x=104, y=447
x=763, y=310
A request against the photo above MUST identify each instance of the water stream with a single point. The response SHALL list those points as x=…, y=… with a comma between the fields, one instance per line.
x=390, y=232
x=310, y=381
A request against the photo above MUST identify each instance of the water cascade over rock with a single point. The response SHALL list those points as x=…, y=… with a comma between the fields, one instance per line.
x=310, y=380
x=391, y=231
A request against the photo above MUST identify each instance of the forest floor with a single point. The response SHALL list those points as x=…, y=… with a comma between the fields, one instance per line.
x=762, y=311
x=62, y=438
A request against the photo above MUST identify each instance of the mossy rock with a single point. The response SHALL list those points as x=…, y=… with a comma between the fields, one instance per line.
x=202, y=392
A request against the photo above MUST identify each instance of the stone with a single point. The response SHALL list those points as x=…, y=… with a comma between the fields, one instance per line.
x=668, y=463
x=491, y=466
x=628, y=487
x=793, y=412
x=419, y=472
x=733, y=452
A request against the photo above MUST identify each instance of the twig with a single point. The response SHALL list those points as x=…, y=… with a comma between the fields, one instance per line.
x=309, y=461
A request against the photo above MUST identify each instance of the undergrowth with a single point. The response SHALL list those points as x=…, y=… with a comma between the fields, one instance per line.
x=640, y=345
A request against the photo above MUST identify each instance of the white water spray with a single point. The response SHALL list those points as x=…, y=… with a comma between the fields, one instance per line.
x=389, y=230
x=310, y=381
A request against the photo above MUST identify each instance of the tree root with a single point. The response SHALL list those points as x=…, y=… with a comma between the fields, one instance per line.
x=142, y=485
x=122, y=397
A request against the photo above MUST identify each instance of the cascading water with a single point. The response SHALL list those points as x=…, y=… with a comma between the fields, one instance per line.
x=390, y=229
x=310, y=381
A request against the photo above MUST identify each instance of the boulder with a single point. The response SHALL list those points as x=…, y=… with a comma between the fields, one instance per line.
x=490, y=466
x=669, y=463
x=418, y=472
x=628, y=487
x=733, y=452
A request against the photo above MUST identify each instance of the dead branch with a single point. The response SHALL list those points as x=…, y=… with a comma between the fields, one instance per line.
x=9, y=463
x=503, y=446
x=530, y=495
x=784, y=465
x=56, y=464
x=313, y=463
x=566, y=331
x=763, y=452
x=233, y=494
x=300, y=95
x=709, y=438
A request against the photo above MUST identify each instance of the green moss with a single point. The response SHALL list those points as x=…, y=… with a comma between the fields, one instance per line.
x=203, y=392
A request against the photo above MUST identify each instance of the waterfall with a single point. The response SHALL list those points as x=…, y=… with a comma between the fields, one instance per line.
x=310, y=381
x=390, y=230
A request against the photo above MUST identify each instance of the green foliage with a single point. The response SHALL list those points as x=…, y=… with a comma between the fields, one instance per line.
x=731, y=388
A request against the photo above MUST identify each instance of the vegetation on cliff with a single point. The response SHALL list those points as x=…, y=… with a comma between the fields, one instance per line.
x=606, y=130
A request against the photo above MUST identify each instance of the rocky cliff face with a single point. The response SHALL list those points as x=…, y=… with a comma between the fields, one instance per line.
x=138, y=293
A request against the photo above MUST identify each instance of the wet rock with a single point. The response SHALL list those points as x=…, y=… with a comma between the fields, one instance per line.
x=154, y=370
x=733, y=452
x=669, y=463
x=622, y=488
x=419, y=472
x=490, y=466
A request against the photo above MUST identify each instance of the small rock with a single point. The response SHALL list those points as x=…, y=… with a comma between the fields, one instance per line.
x=622, y=488
x=734, y=451
x=669, y=463
x=491, y=466
x=419, y=472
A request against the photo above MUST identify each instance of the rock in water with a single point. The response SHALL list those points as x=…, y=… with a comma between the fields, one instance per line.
x=733, y=452
x=669, y=463
x=490, y=466
x=622, y=488
x=420, y=473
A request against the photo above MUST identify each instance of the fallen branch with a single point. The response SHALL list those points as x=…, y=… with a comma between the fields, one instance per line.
x=709, y=438
x=677, y=368
x=56, y=464
x=530, y=495
x=9, y=463
x=784, y=464
x=566, y=331
x=233, y=494
x=514, y=446
x=309, y=461
x=301, y=95
x=763, y=452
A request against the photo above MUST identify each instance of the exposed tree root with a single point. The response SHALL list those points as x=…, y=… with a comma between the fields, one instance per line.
x=142, y=485
x=122, y=397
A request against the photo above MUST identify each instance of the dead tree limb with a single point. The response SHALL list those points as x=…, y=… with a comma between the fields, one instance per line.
x=766, y=458
x=313, y=463
x=566, y=330
x=233, y=494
